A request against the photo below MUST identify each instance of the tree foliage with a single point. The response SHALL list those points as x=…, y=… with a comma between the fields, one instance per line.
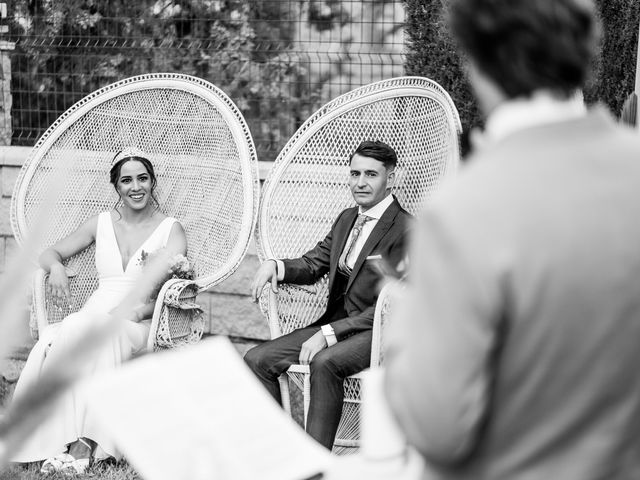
x=69, y=48
x=614, y=74
x=432, y=53
x=278, y=60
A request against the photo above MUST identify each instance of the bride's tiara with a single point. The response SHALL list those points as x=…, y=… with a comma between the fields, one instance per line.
x=128, y=152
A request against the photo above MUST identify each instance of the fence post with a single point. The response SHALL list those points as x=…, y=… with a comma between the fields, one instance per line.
x=638, y=75
x=5, y=91
x=6, y=100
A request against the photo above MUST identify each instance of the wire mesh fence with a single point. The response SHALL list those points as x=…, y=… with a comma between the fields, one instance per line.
x=278, y=60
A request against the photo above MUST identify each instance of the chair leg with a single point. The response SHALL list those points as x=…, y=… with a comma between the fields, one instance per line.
x=298, y=375
x=347, y=439
x=306, y=395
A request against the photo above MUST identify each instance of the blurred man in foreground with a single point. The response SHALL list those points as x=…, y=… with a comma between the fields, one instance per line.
x=515, y=353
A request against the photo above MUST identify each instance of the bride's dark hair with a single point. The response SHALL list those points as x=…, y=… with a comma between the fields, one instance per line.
x=114, y=173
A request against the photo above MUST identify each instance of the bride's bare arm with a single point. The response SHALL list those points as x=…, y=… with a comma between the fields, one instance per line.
x=177, y=242
x=51, y=259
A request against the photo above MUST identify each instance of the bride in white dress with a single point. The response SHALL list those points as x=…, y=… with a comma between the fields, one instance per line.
x=70, y=435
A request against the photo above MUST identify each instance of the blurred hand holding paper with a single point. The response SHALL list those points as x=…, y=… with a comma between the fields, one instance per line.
x=199, y=413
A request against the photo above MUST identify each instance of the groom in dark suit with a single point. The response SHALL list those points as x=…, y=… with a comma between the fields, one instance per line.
x=338, y=344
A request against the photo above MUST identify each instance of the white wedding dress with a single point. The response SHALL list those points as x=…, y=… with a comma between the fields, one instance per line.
x=71, y=417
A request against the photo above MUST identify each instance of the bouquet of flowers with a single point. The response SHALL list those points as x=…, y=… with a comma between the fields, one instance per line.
x=177, y=266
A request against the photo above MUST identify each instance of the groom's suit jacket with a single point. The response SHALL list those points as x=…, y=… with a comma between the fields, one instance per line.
x=387, y=240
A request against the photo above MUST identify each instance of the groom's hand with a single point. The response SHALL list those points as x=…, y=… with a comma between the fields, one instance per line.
x=311, y=347
x=266, y=273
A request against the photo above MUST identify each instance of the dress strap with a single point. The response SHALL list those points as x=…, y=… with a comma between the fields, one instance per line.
x=164, y=229
x=104, y=220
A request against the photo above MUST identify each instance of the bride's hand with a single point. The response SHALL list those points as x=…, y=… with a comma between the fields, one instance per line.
x=59, y=285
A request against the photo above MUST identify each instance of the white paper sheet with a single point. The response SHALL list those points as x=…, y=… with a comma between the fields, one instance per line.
x=200, y=414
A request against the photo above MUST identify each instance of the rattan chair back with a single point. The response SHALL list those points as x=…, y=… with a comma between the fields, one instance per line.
x=307, y=186
x=203, y=156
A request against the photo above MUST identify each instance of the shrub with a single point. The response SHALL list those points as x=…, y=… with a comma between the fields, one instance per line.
x=432, y=53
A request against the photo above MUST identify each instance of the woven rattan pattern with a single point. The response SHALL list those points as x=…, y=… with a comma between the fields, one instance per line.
x=202, y=152
x=182, y=320
x=308, y=185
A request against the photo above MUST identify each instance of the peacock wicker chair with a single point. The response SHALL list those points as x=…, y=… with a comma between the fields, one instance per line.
x=307, y=188
x=206, y=166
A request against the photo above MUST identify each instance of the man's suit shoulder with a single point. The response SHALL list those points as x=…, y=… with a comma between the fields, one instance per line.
x=403, y=216
x=346, y=211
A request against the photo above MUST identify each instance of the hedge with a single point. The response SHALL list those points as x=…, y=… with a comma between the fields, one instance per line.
x=431, y=53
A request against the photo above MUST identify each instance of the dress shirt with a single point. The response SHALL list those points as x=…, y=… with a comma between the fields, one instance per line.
x=518, y=114
x=375, y=213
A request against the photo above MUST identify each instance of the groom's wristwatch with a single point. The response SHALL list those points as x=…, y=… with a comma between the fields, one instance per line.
x=329, y=335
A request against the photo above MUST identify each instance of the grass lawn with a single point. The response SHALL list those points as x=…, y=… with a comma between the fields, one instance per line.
x=106, y=471
x=119, y=471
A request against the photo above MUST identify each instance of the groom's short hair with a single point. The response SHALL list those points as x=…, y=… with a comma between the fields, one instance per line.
x=379, y=151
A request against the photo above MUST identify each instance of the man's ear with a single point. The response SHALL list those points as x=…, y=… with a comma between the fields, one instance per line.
x=391, y=178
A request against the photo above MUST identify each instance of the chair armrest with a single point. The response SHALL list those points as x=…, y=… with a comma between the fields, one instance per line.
x=294, y=306
x=383, y=312
x=177, y=320
x=296, y=367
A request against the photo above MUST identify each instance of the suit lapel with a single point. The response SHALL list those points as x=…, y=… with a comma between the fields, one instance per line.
x=379, y=231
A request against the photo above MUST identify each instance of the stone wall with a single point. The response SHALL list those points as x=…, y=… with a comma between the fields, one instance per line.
x=228, y=308
x=11, y=159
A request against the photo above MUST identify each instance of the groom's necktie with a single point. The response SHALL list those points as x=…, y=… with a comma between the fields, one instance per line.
x=355, y=233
